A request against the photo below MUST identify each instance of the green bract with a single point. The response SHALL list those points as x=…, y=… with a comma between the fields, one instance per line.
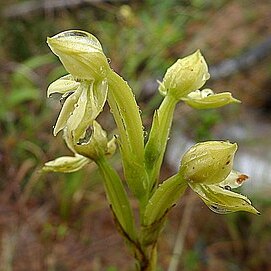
x=184, y=76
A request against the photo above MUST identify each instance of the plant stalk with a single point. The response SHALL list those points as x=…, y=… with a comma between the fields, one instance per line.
x=157, y=142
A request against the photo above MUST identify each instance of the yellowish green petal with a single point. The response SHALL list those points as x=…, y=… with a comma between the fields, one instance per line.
x=96, y=146
x=66, y=164
x=206, y=99
x=93, y=146
x=223, y=201
x=63, y=85
x=88, y=107
x=66, y=111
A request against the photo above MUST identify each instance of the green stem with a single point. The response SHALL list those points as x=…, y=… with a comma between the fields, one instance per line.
x=126, y=114
x=147, y=258
x=151, y=263
x=118, y=199
x=157, y=142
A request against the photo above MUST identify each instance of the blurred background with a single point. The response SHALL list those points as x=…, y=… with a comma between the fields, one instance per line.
x=59, y=222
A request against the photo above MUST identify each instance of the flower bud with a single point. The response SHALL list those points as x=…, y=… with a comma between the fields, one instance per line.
x=81, y=54
x=208, y=162
x=206, y=99
x=184, y=76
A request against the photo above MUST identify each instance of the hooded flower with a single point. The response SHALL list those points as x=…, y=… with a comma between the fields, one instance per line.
x=207, y=168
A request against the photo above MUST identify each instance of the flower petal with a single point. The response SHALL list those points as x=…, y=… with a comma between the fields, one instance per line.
x=66, y=164
x=206, y=99
x=80, y=53
x=66, y=111
x=63, y=85
x=185, y=75
x=208, y=162
x=223, y=201
x=88, y=107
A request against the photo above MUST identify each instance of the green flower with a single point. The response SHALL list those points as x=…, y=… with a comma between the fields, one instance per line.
x=207, y=169
x=206, y=99
x=184, y=76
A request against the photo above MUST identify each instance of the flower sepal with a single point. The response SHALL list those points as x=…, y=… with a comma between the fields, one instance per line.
x=66, y=164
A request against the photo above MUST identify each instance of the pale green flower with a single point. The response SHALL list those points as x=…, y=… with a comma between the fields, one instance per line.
x=207, y=168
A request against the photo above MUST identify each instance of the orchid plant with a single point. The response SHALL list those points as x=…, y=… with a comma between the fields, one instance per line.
x=206, y=168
